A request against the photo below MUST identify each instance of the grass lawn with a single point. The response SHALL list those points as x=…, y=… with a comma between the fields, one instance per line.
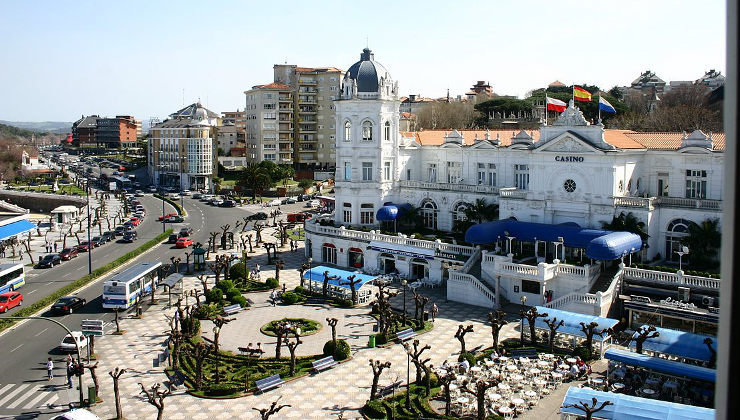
x=63, y=189
x=308, y=326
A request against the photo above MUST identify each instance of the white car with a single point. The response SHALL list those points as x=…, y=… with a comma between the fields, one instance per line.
x=77, y=414
x=185, y=192
x=68, y=342
x=139, y=193
x=313, y=203
x=174, y=196
x=275, y=202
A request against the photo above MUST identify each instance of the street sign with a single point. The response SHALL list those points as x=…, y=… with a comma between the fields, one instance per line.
x=92, y=327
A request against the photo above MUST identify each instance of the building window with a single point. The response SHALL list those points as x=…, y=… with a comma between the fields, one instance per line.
x=460, y=211
x=569, y=185
x=367, y=131
x=432, y=172
x=367, y=171
x=347, y=212
x=696, y=184
x=676, y=232
x=662, y=184
x=348, y=171
x=521, y=177
x=453, y=172
x=386, y=171
x=387, y=131
x=408, y=174
x=481, y=173
x=529, y=286
x=492, y=174
x=329, y=253
x=429, y=214
x=367, y=214
x=268, y=106
x=347, y=131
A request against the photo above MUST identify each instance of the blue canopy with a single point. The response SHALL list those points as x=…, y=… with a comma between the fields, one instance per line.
x=661, y=365
x=15, y=228
x=338, y=276
x=680, y=343
x=603, y=245
x=572, y=325
x=633, y=408
x=390, y=212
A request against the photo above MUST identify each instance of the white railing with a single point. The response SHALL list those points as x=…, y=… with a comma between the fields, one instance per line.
x=471, y=261
x=572, y=269
x=456, y=276
x=691, y=203
x=487, y=189
x=677, y=279
x=520, y=269
x=634, y=202
x=576, y=297
x=512, y=193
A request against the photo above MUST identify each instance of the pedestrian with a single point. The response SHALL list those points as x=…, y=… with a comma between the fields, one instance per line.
x=435, y=309
x=55, y=247
x=49, y=369
x=70, y=371
x=291, y=245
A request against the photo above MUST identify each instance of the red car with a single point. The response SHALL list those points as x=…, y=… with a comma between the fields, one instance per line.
x=68, y=253
x=136, y=221
x=85, y=246
x=298, y=217
x=183, y=242
x=161, y=218
x=10, y=300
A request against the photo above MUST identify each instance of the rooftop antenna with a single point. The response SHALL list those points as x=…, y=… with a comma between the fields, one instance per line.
x=183, y=96
x=367, y=42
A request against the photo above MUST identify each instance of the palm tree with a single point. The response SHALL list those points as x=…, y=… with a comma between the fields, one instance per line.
x=627, y=223
x=704, y=240
x=481, y=211
x=409, y=216
x=256, y=179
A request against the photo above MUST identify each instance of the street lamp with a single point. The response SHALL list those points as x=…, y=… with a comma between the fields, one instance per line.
x=681, y=253
x=89, y=243
x=560, y=242
x=408, y=378
x=310, y=279
x=522, y=299
x=404, y=282
x=631, y=251
x=510, y=238
x=216, y=331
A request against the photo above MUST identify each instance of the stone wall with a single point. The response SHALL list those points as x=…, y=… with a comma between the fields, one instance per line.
x=41, y=202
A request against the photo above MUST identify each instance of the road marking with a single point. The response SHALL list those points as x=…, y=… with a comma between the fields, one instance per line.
x=32, y=291
x=21, y=398
x=5, y=388
x=12, y=394
x=19, y=346
x=49, y=283
x=53, y=398
x=33, y=402
x=42, y=331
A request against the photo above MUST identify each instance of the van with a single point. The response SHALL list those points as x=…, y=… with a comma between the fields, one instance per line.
x=77, y=414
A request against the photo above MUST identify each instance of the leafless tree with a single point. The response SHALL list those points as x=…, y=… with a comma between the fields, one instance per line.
x=302, y=270
x=156, y=397
x=279, y=265
x=497, y=321
x=712, y=352
x=27, y=244
x=445, y=381
x=352, y=282
x=420, y=302
x=460, y=335
x=203, y=282
x=258, y=233
x=200, y=351
x=212, y=240
x=589, y=330
x=265, y=413
x=478, y=390
x=282, y=329
x=332, y=322
x=116, y=375
x=115, y=320
x=378, y=368
x=531, y=315
x=553, y=325
x=589, y=410
x=415, y=352
x=642, y=335
x=94, y=376
x=292, y=346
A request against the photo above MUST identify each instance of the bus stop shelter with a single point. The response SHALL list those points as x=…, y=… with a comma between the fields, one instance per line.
x=337, y=285
x=173, y=281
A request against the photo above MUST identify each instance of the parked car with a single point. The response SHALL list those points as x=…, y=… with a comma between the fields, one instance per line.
x=174, y=196
x=129, y=236
x=167, y=216
x=68, y=304
x=173, y=238
x=139, y=193
x=197, y=195
x=152, y=189
x=186, y=231
x=289, y=200
x=49, y=260
x=185, y=193
x=298, y=217
x=120, y=230
x=228, y=203
x=135, y=221
x=68, y=253
x=68, y=342
x=97, y=241
x=183, y=243
x=175, y=219
x=128, y=226
x=257, y=216
x=85, y=246
x=313, y=203
x=275, y=202
x=109, y=236
x=10, y=300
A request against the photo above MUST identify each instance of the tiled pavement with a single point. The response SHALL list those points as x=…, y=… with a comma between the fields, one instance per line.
x=343, y=389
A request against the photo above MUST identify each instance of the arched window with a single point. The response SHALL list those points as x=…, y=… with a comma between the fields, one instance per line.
x=329, y=253
x=429, y=213
x=677, y=230
x=367, y=131
x=387, y=131
x=347, y=131
x=458, y=212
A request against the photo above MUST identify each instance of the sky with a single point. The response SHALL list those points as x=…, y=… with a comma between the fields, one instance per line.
x=64, y=59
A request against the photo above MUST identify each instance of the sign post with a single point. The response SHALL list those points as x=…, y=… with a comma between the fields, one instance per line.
x=91, y=328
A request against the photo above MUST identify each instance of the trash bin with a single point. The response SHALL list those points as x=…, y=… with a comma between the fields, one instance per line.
x=91, y=394
x=371, y=341
x=426, y=316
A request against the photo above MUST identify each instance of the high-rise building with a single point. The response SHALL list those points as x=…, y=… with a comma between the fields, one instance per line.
x=116, y=133
x=269, y=123
x=83, y=131
x=236, y=118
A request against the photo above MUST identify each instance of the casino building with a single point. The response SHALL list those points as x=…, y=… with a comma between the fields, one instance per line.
x=570, y=176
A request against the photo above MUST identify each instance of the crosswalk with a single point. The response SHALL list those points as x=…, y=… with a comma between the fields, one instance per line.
x=30, y=396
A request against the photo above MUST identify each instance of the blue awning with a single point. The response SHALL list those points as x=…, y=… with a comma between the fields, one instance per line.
x=572, y=325
x=602, y=245
x=15, y=228
x=680, y=343
x=317, y=274
x=633, y=408
x=390, y=212
x=662, y=365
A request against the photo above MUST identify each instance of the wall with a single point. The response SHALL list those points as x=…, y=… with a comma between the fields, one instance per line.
x=40, y=202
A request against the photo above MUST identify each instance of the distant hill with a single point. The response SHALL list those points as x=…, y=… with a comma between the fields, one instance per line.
x=41, y=126
x=8, y=131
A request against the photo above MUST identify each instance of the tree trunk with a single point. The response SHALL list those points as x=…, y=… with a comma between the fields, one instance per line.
x=117, y=395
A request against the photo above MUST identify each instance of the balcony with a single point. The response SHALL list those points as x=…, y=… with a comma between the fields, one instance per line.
x=307, y=101
x=648, y=203
x=484, y=189
x=307, y=82
x=285, y=98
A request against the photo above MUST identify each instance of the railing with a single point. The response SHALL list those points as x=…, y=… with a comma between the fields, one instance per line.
x=486, y=189
x=634, y=202
x=576, y=297
x=521, y=269
x=456, y=276
x=690, y=203
x=571, y=269
x=678, y=278
x=471, y=261
x=513, y=193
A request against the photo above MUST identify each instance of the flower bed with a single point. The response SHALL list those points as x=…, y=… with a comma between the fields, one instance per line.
x=307, y=326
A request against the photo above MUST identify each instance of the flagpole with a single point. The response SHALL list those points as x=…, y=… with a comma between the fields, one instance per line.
x=598, y=105
x=545, y=106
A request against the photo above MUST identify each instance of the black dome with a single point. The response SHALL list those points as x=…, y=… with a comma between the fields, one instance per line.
x=367, y=72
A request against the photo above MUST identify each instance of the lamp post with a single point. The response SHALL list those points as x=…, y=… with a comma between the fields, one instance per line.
x=404, y=282
x=510, y=238
x=89, y=243
x=522, y=299
x=632, y=250
x=681, y=253
x=310, y=279
x=559, y=242
x=408, y=379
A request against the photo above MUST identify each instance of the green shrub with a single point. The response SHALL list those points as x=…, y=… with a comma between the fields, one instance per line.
x=582, y=352
x=342, y=351
x=467, y=356
x=344, y=303
x=290, y=298
x=329, y=348
x=300, y=290
x=232, y=294
x=434, y=380
x=241, y=300
x=202, y=311
x=190, y=326
x=272, y=283
x=218, y=390
x=214, y=295
x=237, y=271
x=225, y=285
x=381, y=338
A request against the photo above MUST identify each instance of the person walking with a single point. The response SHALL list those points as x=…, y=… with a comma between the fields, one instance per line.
x=49, y=369
x=55, y=247
x=435, y=309
x=70, y=371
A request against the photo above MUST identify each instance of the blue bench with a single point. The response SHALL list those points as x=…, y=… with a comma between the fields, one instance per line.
x=325, y=363
x=269, y=383
x=232, y=309
x=406, y=334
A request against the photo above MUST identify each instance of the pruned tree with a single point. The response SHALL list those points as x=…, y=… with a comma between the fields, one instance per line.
x=553, y=325
x=712, y=352
x=156, y=397
x=27, y=244
x=279, y=265
x=203, y=282
x=642, y=335
x=115, y=320
x=332, y=322
x=258, y=233
x=352, y=283
x=302, y=270
x=496, y=318
x=445, y=381
x=175, y=339
x=325, y=286
x=265, y=413
x=212, y=240
x=378, y=368
x=588, y=410
x=386, y=315
x=415, y=352
x=94, y=375
x=292, y=346
x=589, y=330
x=531, y=315
x=199, y=351
x=420, y=302
x=175, y=264
x=116, y=375
x=478, y=390
x=460, y=335
x=282, y=329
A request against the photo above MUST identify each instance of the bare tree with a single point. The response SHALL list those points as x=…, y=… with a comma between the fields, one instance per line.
x=712, y=352
x=333, y=324
x=27, y=244
x=479, y=392
x=378, y=368
x=156, y=397
x=445, y=381
x=279, y=265
x=589, y=410
x=116, y=375
x=420, y=301
x=203, y=282
x=497, y=321
x=258, y=232
x=292, y=346
x=199, y=352
x=460, y=335
x=302, y=270
x=553, y=324
x=94, y=376
x=325, y=286
x=115, y=320
x=282, y=329
x=642, y=335
x=531, y=315
x=265, y=413
x=589, y=330
x=415, y=352
x=212, y=240
x=352, y=283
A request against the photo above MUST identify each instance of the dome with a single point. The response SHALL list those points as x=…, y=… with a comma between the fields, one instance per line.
x=367, y=73
x=200, y=114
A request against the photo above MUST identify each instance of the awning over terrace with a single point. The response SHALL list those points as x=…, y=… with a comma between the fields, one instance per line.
x=634, y=408
x=15, y=228
x=390, y=212
x=603, y=245
x=658, y=364
x=680, y=344
x=572, y=325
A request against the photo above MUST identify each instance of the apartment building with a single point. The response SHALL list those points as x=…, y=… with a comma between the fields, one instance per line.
x=83, y=131
x=269, y=123
x=116, y=133
x=236, y=118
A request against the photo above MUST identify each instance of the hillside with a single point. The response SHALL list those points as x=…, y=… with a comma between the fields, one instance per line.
x=8, y=131
x=40, y=126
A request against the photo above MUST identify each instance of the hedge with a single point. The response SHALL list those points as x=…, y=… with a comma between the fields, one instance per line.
x=84, y=280
x=181, y=211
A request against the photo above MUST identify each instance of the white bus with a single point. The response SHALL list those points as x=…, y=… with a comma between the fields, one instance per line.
x=12, y=277
x=124, y=288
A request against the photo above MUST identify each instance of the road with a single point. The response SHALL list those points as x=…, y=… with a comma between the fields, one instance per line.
x=24, y=390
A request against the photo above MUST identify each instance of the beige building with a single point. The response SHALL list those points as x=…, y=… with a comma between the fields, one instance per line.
x=269, y=123
x=236, y=118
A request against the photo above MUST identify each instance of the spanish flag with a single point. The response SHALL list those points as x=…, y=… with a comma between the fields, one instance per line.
x=581, y=94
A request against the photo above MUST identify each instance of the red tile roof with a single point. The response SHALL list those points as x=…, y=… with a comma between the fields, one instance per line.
x=272, y=86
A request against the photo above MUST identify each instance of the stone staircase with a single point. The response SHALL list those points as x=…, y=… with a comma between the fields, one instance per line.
x=604, y=280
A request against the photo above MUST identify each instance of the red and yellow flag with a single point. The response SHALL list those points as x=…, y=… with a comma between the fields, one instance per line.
x=581, y=94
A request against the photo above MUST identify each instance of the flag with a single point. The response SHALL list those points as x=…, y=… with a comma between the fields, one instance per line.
x=581, y=94
x=605, y=106
x=555, y=105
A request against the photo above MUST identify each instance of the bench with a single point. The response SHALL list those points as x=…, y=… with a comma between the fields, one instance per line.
x=406, y=334
x=388, y=389
x=232, y=309
x=323, y=364
x=269, y=383
x=530, y=353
